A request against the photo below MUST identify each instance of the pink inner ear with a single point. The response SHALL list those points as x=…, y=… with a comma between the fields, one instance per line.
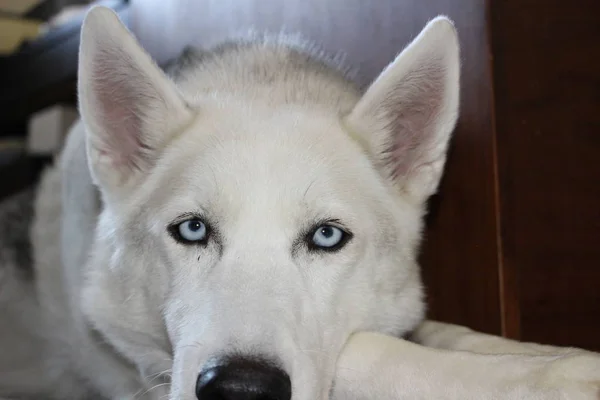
x=118, y=103
x=411, y=109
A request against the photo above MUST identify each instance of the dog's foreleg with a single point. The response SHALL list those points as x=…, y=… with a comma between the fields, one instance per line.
x=447, y=336
x=374, y=366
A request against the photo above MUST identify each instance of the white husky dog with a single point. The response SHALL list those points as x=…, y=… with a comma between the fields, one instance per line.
x=248, y=228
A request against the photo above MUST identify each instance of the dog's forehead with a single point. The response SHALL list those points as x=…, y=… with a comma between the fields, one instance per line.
x=260, y=145
x=281, y=158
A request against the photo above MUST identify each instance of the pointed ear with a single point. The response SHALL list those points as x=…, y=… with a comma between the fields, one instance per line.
x=129, y=107
x=406, y=117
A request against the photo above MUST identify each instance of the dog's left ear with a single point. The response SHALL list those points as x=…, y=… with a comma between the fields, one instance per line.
x=407, y=115
x=130, y=108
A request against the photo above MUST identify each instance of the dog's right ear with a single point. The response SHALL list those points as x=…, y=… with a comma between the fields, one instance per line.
x=406, y=117
x=129, y=107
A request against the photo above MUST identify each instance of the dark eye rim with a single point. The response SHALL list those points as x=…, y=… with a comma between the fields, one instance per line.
x=346, y=236
x=173, y=230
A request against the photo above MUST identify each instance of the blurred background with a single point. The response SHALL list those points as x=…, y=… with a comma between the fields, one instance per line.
x=513, y=239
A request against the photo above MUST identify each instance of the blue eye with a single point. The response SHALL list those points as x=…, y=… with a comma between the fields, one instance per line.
x=328, y=237
x=191, y=231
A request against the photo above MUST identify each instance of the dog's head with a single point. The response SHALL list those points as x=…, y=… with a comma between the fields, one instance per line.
x=252, y=223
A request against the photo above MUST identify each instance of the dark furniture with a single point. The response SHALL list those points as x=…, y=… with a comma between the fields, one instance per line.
x=42, y=73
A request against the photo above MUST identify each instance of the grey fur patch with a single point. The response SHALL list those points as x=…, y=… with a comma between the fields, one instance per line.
x=312, y=53
x=16, y=214
x=189, y=57
x=293, y=41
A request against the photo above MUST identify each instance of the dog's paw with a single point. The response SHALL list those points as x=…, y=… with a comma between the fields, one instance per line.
x=573, y=376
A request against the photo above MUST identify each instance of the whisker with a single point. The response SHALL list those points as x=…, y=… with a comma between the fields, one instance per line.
x=167, y=372
x=152, y=388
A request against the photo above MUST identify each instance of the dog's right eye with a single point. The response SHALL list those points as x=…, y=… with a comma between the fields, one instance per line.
x=327, y=237
x=190, y=231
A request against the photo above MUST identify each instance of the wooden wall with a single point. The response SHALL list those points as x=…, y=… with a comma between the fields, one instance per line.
x=547, y=97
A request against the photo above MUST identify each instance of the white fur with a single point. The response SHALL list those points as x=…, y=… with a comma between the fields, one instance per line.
x=264, y=141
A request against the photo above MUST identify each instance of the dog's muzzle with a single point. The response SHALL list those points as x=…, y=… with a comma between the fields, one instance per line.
x=243, y=379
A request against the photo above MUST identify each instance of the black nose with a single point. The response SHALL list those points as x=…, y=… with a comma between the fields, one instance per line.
x=244, y=379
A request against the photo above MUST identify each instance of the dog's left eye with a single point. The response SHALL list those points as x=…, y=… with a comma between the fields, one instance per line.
x=190, y=231
x=329, y=238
